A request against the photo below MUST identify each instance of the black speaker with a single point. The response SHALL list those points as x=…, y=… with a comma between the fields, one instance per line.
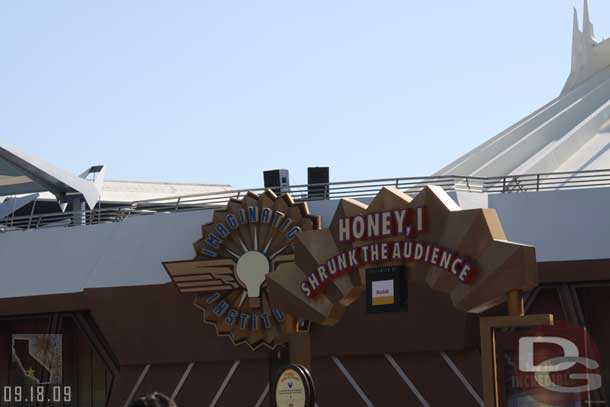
x=277, y=180
x=317, y=175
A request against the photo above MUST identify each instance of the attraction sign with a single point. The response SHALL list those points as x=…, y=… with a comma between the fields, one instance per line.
x=462, y=252
x=243, y=244
x=265, y=260
x=401, y=224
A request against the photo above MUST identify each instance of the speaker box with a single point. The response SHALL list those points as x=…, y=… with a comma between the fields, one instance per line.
x=317, y=175
x=277, y=180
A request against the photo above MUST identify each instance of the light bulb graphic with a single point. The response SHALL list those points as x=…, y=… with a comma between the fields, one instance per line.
x=251, y=269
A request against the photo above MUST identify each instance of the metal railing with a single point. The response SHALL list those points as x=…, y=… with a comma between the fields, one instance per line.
x=312, y=192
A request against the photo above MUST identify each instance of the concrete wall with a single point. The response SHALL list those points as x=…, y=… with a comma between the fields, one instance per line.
x=63, y=260
x=563, y=225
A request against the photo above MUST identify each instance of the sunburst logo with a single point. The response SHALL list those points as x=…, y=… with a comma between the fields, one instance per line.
x=242, y=245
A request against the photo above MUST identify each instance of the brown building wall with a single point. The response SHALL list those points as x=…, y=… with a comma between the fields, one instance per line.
x=157, y=325
x=154, y=333
x=156, y=336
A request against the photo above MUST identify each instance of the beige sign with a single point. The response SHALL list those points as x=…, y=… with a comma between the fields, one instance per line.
x=290, y=390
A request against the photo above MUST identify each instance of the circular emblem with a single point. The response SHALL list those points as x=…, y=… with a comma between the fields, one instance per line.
x=294, y=387
x=243, y=244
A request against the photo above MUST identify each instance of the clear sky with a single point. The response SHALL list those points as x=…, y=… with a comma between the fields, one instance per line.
x=218, y=91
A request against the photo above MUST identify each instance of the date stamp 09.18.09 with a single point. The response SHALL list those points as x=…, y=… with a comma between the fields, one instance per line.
x=32, y=395
x=36, y=373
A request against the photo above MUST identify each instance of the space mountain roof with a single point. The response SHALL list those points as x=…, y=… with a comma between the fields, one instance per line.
x=569, y=133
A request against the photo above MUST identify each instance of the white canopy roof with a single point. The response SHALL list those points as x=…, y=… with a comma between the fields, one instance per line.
x=21, y=173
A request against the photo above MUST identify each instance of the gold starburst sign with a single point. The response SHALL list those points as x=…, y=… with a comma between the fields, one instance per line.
x=242, y=245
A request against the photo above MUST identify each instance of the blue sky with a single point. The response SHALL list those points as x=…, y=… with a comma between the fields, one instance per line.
x=218, y=91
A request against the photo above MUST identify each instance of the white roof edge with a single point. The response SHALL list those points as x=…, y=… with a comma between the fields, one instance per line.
x=58, y=181
x=168, y=183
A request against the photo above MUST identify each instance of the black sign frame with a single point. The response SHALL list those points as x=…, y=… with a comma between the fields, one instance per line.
x=398, y=274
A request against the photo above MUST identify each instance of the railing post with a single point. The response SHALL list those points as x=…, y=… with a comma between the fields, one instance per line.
x=537, y=182
x=517, y=183
x=31, y=214
x=503, y=184
x=13, y=213
x=177, y=204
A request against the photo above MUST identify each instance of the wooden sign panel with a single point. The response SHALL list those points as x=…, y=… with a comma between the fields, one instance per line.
x=461, y=252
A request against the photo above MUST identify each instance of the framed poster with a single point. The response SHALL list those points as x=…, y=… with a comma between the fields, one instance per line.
x=532, y=360
x=557, y=365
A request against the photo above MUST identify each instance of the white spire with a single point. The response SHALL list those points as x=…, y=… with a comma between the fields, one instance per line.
x=587, y=57
x=576, y=41
x=576, y=34
x=575, y=28
x=587, y=27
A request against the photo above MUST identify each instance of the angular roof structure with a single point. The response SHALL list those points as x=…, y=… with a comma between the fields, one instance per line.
x=30, y=178
x=569, y=133
x=21, y=173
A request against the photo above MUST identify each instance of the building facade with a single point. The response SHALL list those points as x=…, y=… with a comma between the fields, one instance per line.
x=106, y=301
